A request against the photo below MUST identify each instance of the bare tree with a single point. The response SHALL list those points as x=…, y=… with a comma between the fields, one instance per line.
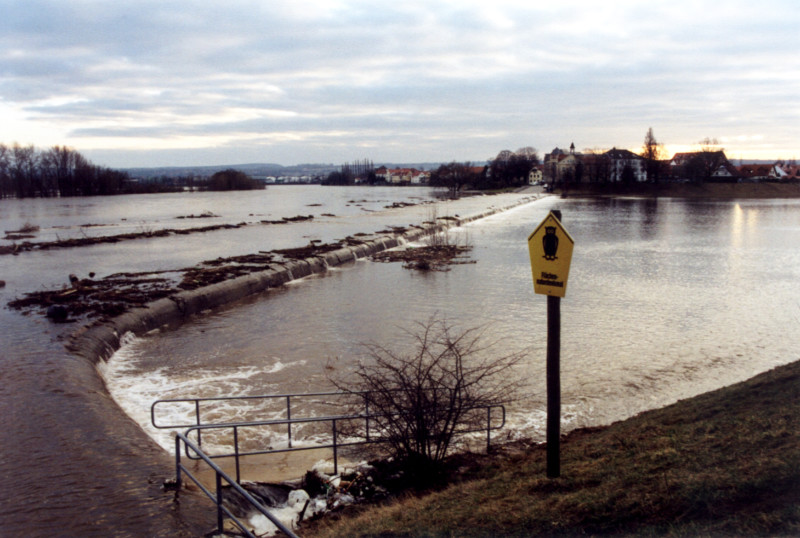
x=702, y=166
x=511, y=169
x=24, y=171
x=652, y=152
x=232, y=180
x=423, y=397
x=528, y=152
x=58, y=166
x=59, y=171
x=454, y=176
x=6, y=188
x=504, y=155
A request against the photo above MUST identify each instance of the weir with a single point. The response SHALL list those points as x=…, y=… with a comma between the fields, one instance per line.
x=98, y=342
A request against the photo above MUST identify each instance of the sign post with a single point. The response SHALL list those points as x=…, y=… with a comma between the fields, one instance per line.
x=550, y=248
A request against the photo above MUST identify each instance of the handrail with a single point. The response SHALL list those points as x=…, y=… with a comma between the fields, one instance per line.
x=194, y=452
x=334, y=444
x=197, y=402
x=222, y=510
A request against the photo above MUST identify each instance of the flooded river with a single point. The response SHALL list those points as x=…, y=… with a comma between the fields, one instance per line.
x=663, y=303
x=667, y=298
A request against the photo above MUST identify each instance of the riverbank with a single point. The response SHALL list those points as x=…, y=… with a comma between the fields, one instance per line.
x=688, y=190
x=725, y=463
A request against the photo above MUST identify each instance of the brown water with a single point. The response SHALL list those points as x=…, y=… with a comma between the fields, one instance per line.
x=666, y=299
x=72, y=463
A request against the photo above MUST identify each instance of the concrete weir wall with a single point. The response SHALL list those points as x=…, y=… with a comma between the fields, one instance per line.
x=99, y=341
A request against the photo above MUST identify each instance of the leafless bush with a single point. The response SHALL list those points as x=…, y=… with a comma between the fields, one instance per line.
x=440, y=235
x=421, y=398
x=145, y=229
x=29, y=228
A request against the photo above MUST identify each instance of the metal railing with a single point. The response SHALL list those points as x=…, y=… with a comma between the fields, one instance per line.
x=194, y=452
x=336, y=443
x=216, y=495
x=196, y=403
x=199, y=426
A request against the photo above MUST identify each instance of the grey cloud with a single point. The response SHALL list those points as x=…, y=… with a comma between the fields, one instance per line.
x=496, y=71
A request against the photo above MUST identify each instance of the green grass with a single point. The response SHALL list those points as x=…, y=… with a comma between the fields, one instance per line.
x=726, y=463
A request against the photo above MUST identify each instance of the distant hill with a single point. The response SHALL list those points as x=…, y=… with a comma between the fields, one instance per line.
x=418, y=166
x=252, y=169
x=258, y=170
x=737, y=162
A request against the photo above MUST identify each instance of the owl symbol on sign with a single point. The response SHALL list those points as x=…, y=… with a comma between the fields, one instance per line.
x=550, y=243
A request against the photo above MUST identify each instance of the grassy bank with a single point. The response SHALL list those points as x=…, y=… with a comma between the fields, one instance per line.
x=726, y=463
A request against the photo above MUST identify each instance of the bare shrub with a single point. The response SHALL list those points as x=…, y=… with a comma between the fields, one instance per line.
x=439, y=233
x=145, y=229
x=29, y=228
x=419, y=399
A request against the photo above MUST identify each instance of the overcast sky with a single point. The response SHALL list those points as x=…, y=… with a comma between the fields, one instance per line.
x=152, y=83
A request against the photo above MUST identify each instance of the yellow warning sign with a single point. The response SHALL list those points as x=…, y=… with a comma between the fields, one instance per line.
x=550, y=248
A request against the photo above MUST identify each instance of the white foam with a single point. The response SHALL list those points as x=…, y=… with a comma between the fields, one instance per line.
x=287, y=515
x=278, y=366
x=533, y=423
x=135, y=391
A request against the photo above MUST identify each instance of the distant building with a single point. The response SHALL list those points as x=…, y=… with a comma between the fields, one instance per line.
x=623, y=162
x=612, y=166
x=725, y=171
x=535, y=176
x=785, y=172
x=702, y=166
x=754, y=172
x=420, y=178
x=596, y=168
x=382, y=174
x=569, y=168
x=397, y=176
x=550, y=164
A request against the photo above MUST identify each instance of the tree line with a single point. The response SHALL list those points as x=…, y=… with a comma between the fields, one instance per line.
x=230, y=180
x=507, y=170
x=27, y=172
x=348, y=174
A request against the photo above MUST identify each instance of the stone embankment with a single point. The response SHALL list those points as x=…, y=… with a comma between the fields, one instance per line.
x=98, y=341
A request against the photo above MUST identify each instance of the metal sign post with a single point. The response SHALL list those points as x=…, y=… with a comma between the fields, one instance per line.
x=550, y=248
